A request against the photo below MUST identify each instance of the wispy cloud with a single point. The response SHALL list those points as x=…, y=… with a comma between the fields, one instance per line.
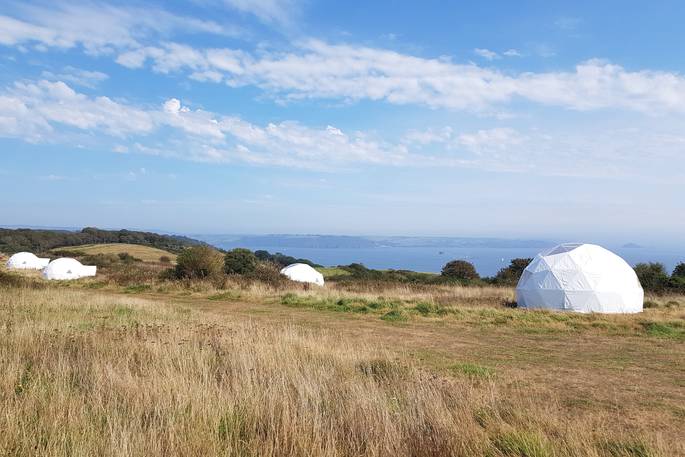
x=85, y=78
x=512, y=53
x=315, y=69
x=318, y=70
x=486, y=54
x=99, y=28
x=280, y=12
x=568, y=23
x=48, y=111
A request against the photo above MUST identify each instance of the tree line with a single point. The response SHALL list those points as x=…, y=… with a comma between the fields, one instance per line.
x=41, y=241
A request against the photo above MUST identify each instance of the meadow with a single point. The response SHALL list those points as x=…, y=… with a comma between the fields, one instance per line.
x=130, y=364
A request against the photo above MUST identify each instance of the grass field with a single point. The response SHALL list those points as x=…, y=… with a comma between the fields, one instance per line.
x=144, y=253
x=91, y=368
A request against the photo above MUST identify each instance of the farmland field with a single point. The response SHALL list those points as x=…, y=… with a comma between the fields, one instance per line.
x=144, y=253
x=247, y=369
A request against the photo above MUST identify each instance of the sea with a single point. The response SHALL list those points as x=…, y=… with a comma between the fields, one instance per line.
x=431, y=259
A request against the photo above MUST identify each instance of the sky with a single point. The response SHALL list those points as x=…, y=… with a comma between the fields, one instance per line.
x=558, y=120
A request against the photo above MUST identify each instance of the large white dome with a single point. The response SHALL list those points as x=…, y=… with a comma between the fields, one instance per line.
x=66, y=268
x=302, y=272
x=26, y=261
x=580, y=277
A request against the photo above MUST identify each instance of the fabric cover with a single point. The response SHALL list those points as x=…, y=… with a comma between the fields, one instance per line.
x=302, y=272
x=66, y=269
x=585, y=278
x=26, y=261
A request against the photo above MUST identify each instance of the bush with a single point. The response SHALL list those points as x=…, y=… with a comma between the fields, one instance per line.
x=240, y=261
x=199, y=262
x=127, y=258
x=269, y=273
x=652, y=276
x=165, y=259
x=679, y=271
x=460, y=269
x=510, y=275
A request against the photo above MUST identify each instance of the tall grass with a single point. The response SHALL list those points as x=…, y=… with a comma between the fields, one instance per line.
x=87, y=374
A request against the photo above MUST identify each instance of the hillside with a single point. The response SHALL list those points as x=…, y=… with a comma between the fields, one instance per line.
x=16, y=240
x=144, y=253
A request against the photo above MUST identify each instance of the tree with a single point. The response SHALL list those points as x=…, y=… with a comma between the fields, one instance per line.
x=199, y=262
x=240, y=261
x=679, y=271
x=652, y=276
x=460, y=269
x=511, y=274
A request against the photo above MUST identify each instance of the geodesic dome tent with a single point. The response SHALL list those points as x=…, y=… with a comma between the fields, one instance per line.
x=301, y=272
x=580, y=277
x=26, y=261
x=66, y=269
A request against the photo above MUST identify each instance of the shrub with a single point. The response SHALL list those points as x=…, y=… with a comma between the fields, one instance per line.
x=460, y=269
x=679, y=271
x=165, y=259
x=269, y=273
x=510, y=275
x=199, y=262
x=240, y=261
x=652, y=276
x=127, y=258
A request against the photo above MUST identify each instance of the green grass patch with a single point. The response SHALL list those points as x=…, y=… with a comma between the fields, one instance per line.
x=225, y=296
x=626, y=449
x=669, y=329
x=344, y=305
x=395, y=315
x=472, y=370
x=333, y=272
x=523, y=444
x=137, y=288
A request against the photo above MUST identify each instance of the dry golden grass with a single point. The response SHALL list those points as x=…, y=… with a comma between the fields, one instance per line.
x=144, y=253
x=91, y=373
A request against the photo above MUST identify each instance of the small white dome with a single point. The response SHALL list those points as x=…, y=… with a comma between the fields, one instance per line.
x=26, y=261
x=301, y=272
x=585, y=278
x=66, y=268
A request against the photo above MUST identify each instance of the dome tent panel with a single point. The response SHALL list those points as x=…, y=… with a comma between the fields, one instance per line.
x=302, y=272
x=64, y=269
x=26, y=261
x=590, y=279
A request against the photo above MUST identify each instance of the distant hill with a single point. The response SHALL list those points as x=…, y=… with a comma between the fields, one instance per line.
x=144, y=253
x=353, y=242
x=16, y=240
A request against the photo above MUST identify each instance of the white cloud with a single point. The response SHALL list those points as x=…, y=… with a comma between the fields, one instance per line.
x=98, y=27
x=512, y=53
x=269, y=11
x=31, y=109
x=85, y=78
x=322, y=71
x=318, y=70
x=50, y=111
x=486, y=54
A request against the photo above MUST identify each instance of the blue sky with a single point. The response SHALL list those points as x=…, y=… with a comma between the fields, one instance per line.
x=561, y=120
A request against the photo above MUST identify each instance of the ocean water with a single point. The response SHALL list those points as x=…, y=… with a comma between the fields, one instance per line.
x=431, y=259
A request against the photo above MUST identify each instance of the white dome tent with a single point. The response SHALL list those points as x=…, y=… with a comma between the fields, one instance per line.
x=66, y=269
x=580, y=277
x=302, y=272
x=26, y=261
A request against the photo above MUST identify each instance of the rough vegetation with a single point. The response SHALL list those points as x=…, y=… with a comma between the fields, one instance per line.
x=145, y=359
x=93, y=373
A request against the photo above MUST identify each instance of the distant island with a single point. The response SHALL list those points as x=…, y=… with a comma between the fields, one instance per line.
x=358, y=242
x=632, y=246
